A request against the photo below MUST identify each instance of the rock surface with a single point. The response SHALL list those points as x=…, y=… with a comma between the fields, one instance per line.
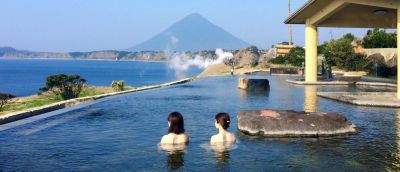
x=280, y=123
x=253, y=84
x=248, y=56
x=386, y=56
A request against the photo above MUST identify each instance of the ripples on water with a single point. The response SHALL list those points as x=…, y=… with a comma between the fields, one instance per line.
x=122, y=133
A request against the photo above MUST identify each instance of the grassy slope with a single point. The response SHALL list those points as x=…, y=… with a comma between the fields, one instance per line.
x=23, y=103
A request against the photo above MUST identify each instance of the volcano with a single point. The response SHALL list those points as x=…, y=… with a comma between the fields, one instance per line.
x=192, y=33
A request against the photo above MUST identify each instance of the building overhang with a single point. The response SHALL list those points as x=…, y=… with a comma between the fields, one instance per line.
x=347, y=13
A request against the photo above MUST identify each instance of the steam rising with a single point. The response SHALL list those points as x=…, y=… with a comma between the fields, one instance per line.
x=182, y=62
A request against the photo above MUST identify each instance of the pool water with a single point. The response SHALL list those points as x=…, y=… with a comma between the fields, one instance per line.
x=24, y=77
x=122, y=133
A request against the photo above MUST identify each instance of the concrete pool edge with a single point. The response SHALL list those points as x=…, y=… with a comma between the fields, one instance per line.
x=15, y=116
x=380, y=99
x=296, y=82
x=360, y=83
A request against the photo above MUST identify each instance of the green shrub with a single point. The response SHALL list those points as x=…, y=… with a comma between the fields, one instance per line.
x=295, y=57
x=357, y=62
x=278, y=60
x=118, y=85
x=380, y=39
x=66, y=86
x=338, y=51
x=341, y=54
x=4, y=99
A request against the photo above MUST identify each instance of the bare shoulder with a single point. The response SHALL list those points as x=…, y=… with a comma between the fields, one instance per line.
x=232, y=137
x=213, y=139
x=184, y=138
x=165, y=139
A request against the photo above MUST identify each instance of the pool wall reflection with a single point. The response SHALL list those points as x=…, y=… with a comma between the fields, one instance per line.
x=253, y=93
x=310, y=99
x=176, y=159
x=222, y=152
x=222, y=157
x=175, y=155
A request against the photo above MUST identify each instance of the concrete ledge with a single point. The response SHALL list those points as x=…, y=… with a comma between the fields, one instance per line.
x=376, y=84
x=377, y=79
x=319, y=82
x=374, y=99
x=68, y=103
x=274, y=74
x=380, y=84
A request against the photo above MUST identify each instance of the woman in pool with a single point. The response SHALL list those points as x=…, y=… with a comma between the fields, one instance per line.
x=176, y=131
x=222, y=121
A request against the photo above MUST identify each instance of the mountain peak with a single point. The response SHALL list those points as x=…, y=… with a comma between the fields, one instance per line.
x=192, y=33
x=194, y=15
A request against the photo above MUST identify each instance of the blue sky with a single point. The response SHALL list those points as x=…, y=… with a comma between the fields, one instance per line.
x=88, y=25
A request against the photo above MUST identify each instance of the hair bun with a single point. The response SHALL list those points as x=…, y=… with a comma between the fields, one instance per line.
x=223, y=119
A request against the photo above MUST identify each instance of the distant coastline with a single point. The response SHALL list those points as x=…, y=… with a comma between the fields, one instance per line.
x=123, y=60
x=110, y=55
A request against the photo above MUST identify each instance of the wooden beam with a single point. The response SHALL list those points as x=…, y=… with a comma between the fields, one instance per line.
x=392, y=4
x=327, y=11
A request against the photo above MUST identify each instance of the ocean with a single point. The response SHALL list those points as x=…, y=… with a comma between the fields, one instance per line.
x=24, y=77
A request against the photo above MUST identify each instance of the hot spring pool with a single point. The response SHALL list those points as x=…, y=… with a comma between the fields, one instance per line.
x=122, y=133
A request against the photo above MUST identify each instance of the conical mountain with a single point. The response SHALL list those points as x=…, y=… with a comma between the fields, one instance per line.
x=192, y=33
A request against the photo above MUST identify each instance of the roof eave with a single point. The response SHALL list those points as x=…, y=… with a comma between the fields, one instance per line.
x=289, y=20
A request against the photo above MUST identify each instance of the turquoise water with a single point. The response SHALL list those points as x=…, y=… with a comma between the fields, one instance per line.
x=122, y=133
x=25, y=77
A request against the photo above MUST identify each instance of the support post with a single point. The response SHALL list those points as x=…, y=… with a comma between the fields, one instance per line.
x=398, y=50
x=310, y=98
x=311, y=43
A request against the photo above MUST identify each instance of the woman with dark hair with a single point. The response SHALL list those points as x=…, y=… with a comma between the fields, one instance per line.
x=176, y=131
x=222, y=121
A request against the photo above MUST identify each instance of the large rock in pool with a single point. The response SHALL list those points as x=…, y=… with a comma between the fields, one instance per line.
x=280, y=123
x=253, y=84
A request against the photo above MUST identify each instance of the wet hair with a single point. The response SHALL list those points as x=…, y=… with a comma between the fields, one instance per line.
x=175, y=120
x=223, y=119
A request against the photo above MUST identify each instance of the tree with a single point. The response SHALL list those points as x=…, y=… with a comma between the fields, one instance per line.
x=231, y=61
x=278, y=60
x=348, y=36
x=380, y=39
x=4, y=99
x=66, y=86
x=296, y=56
x=341, y=54
x=118, y=85
x=255, y=57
